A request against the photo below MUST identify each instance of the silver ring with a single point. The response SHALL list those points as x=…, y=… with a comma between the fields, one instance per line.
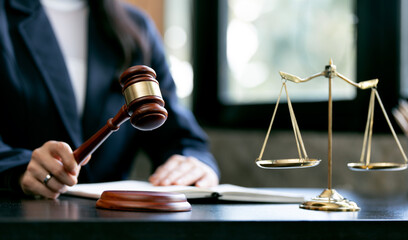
x=47, y=178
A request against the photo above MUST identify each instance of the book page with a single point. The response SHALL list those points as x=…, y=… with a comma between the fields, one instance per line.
x=95, y=190
x=224, y=191
x=237, y=193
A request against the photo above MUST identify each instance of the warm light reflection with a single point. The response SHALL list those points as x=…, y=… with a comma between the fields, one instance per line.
x=175, y=37
x=253, y=74
x=177, y=40
x=242, y=44
x=182, y=72
x=297, y=36
x=246, y=10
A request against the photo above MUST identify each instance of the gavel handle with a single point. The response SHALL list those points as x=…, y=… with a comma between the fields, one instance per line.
x=113, y=124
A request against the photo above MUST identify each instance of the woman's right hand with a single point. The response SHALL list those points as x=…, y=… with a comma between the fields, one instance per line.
x=53, y=159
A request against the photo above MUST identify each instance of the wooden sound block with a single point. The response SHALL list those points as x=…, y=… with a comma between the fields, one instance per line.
x=143, y=201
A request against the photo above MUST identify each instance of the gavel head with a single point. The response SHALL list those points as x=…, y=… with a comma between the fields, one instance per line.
x=144, y=102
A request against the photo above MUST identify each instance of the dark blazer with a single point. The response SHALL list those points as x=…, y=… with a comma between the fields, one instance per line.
x=37, y=102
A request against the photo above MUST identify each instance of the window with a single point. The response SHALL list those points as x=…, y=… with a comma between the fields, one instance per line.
x=404, y=49
x=298, y=37
x=173, y=20
x=177, y=40
x=362, y=37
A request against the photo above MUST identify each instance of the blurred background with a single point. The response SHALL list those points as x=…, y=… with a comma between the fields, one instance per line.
x=225, y=57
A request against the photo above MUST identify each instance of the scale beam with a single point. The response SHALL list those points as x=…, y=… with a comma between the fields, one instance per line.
x=329, y=199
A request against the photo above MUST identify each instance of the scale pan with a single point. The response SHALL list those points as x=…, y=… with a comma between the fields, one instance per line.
x=378, y=166
x=287, y=163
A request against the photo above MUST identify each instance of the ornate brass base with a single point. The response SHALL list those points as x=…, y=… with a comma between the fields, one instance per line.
x=330, y=200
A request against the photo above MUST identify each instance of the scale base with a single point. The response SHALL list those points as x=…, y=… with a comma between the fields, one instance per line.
x=330, y=200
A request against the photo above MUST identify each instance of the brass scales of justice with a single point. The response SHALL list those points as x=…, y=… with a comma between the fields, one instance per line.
x=330, y=199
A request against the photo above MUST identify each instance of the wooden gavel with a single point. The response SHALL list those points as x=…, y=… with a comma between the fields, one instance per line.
x=144, y=106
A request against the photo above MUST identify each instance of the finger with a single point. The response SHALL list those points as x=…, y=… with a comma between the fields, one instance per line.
x=46, y=192
x=56, y=168
x=63, y=152
x=208, y=180
x=55, y=186
x=162, y=172
x=201, y=176
x=86, y=160
x=51, y=158
x=47, y=179
x=172, y=163
x=31, y=186
x=52, y=183
x=39, y=172
x=158, y=177
x=190, y=177
x=176, y=174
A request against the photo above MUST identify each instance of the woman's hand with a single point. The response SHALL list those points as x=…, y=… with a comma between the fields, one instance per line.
x=53, y=159
x=181, y=170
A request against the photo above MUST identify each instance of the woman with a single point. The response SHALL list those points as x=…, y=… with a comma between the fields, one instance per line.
x=59, y=65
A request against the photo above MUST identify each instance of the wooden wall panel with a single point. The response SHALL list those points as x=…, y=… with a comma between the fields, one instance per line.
x=155, y=8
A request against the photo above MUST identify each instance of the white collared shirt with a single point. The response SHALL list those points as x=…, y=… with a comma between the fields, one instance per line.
x=69, y=19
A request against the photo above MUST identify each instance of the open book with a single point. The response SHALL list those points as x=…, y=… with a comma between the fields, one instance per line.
x=226, y=192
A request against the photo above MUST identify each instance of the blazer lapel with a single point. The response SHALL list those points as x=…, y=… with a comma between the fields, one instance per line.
x=5, y=43
x=102, y=80
x=42, y=43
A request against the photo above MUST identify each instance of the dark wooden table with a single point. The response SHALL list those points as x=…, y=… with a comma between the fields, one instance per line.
x=77, y=218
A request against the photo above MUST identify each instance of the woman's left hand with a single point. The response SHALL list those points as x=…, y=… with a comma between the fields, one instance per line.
x=182, y=170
